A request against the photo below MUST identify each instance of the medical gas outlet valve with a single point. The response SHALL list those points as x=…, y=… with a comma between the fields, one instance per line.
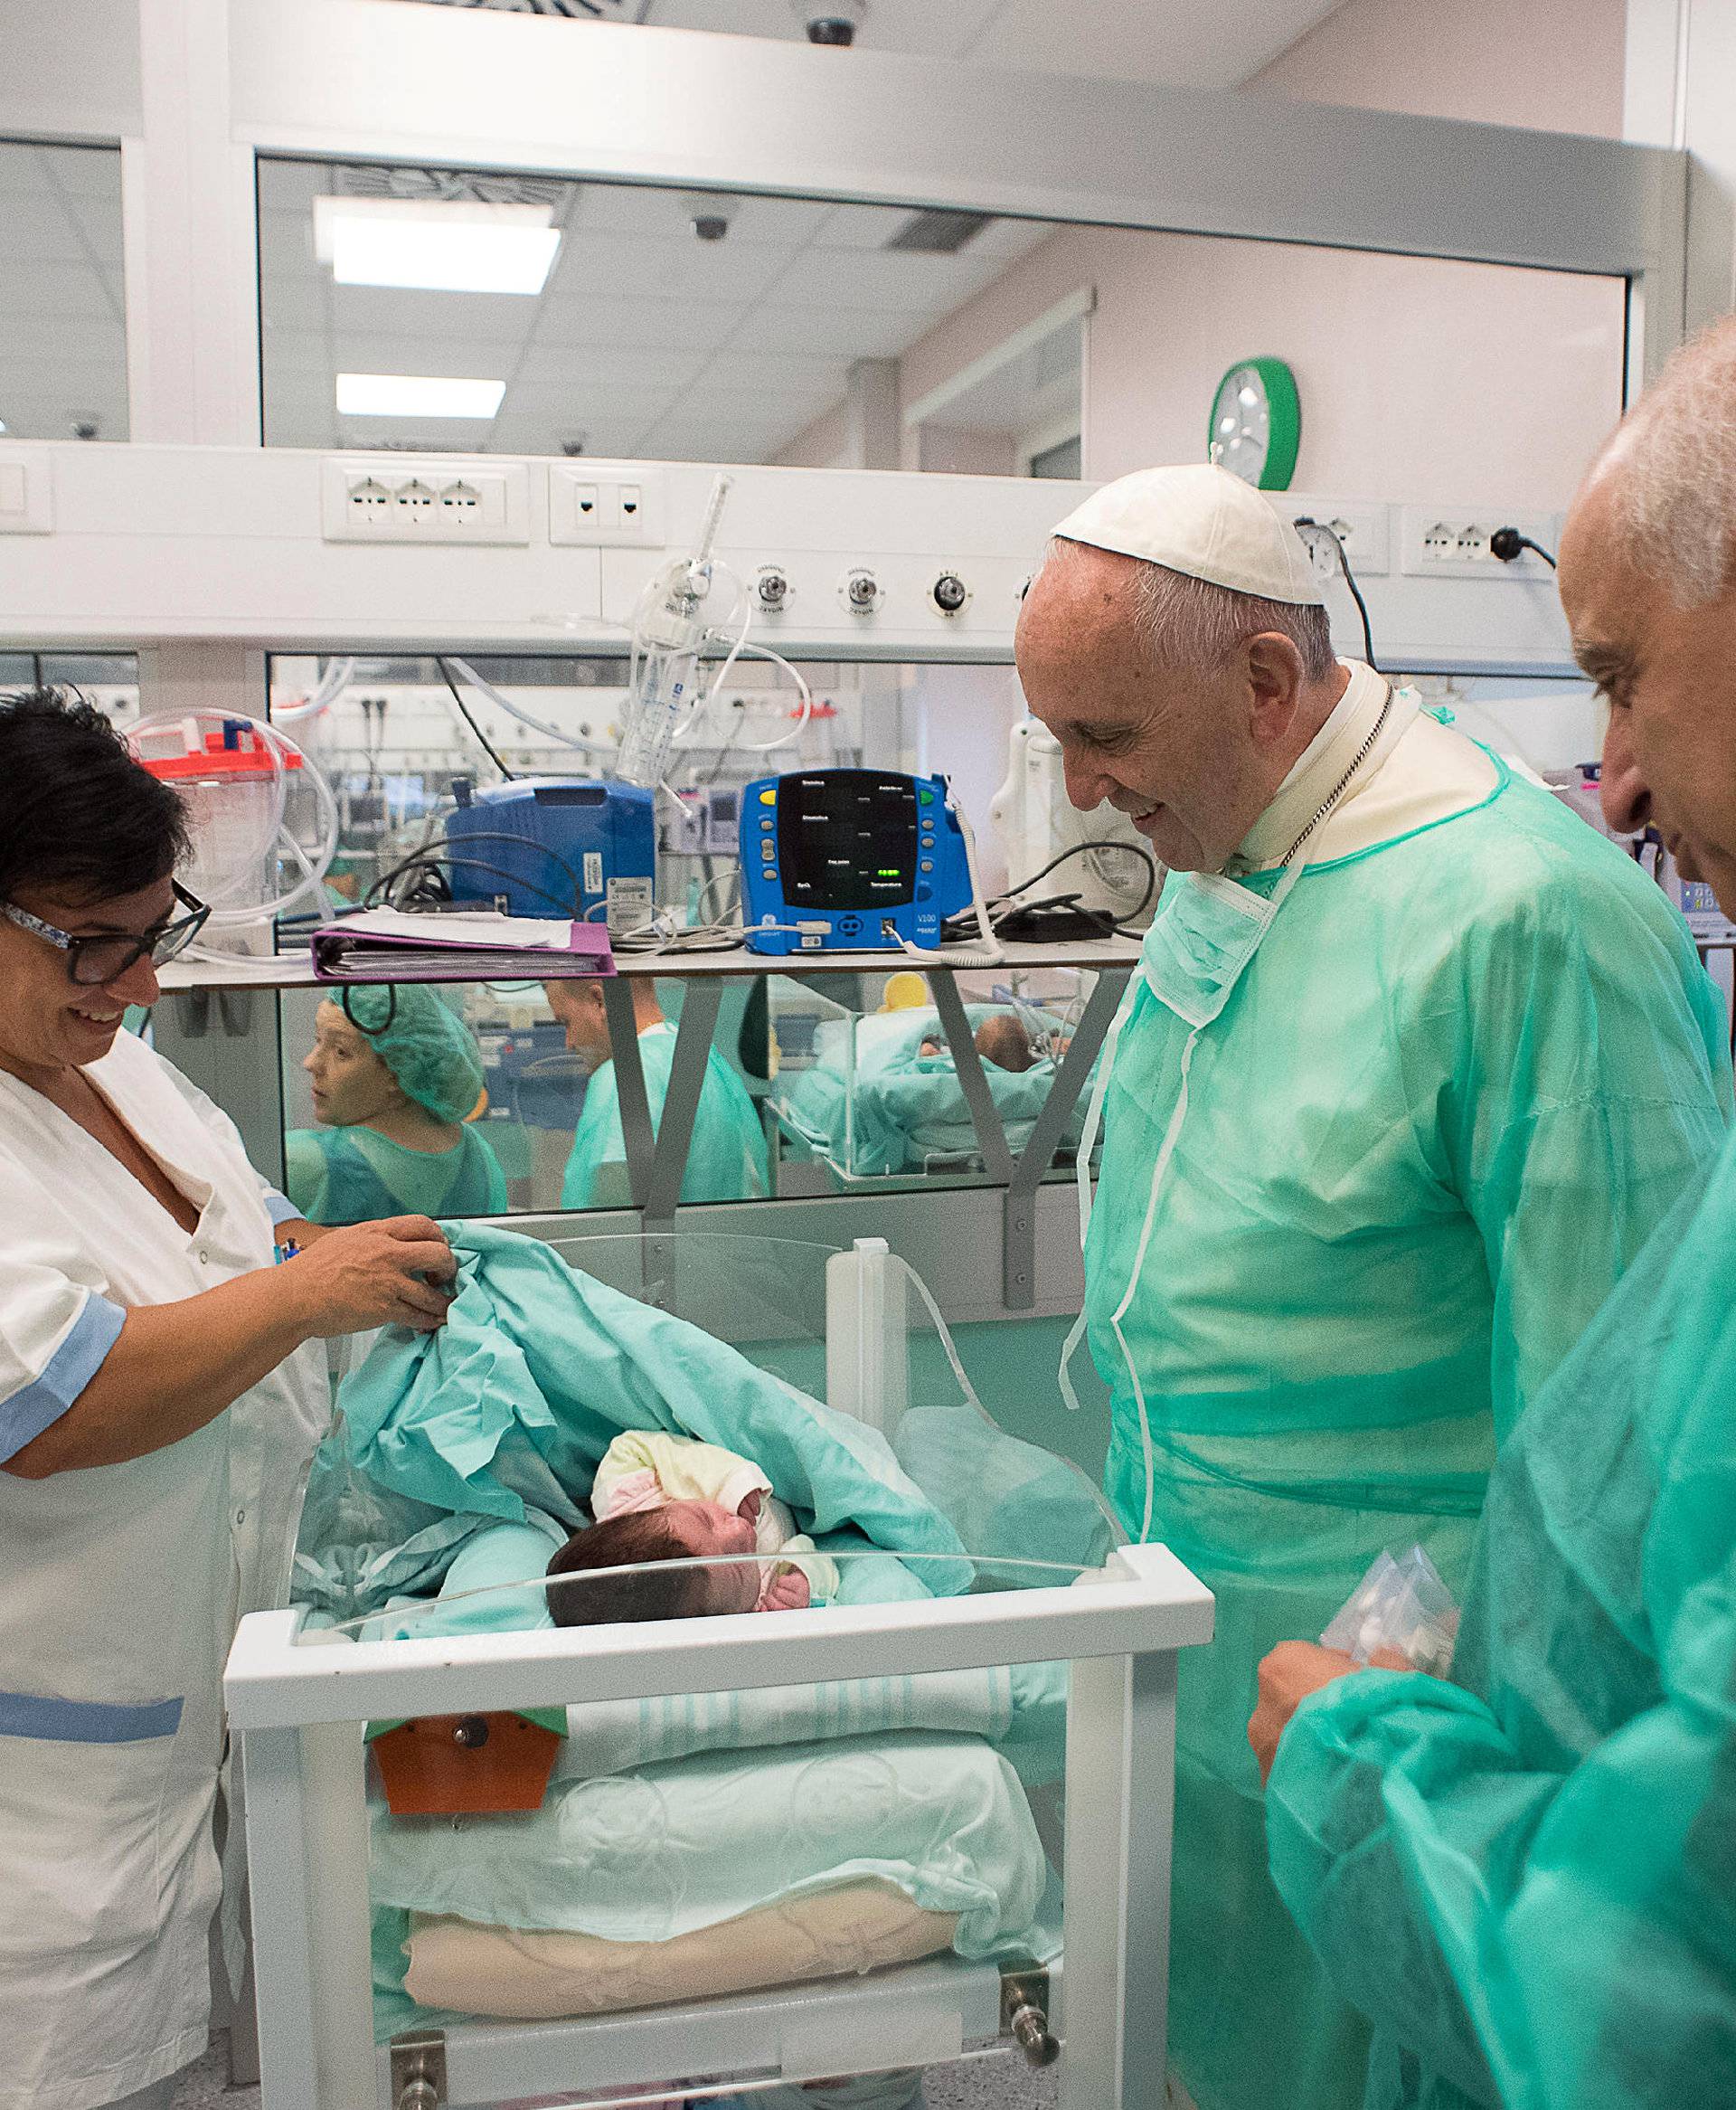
x=861, y=592
x=771, y=589
x=950, y=593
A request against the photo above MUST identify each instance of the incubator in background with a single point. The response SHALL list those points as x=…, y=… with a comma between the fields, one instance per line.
x=865, y=1085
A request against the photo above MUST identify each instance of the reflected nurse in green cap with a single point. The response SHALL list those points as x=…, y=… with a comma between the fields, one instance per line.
x=396, y=1076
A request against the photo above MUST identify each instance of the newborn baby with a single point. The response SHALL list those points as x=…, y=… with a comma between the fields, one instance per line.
x=1000, y=1040
x=660, y=1498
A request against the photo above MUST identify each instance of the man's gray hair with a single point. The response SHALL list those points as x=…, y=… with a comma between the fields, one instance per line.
x=1675, y=467
x=1184, y=622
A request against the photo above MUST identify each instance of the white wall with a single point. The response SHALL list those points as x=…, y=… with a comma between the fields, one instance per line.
x=1424, y=378
x=1557, y=67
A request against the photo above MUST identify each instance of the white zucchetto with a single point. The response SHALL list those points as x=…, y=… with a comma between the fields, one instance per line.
x=1198, y=519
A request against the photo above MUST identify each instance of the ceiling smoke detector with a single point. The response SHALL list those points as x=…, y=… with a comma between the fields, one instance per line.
x=711, y=213
x=835, y=23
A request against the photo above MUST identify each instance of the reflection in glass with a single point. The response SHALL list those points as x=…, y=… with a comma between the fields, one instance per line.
x=870, y=1090
x=395, y=1077
x=62, y=301
x=627, y=320
x=726, y=1159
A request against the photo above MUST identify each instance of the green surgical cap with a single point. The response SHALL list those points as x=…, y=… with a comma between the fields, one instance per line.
x=425, y=1045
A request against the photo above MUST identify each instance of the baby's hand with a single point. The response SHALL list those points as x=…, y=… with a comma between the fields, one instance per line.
x=748, y=1507
x=788, y=1591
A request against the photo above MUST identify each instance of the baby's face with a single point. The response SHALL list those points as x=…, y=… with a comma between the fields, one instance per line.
x=707, y=1530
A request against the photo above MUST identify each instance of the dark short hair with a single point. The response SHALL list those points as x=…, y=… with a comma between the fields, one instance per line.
x=78, y=812
x=621, y=1542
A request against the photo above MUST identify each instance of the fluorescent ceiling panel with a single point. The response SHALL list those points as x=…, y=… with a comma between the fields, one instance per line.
x=440, y=245
x=416, y=396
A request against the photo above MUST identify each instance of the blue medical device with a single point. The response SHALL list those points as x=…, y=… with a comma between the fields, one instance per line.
x=526, y=844
x=855, y=860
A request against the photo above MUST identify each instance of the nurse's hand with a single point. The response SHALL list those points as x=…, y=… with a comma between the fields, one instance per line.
x=1291, y=1673
x=388, y=1274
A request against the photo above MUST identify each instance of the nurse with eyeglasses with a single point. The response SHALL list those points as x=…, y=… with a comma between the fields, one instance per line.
x=162, y=1386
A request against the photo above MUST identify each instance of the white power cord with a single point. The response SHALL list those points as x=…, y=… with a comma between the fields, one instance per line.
x=990, y=953
x=502, y=702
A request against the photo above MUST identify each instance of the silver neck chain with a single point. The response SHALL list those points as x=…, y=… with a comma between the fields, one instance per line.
x=1343, y=785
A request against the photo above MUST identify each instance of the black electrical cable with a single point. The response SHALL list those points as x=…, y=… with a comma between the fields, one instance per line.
x=999, y=906
x=429, y=853
x=432, y=866
x=483, y=740
x=1303, y=524
x=1507, y=543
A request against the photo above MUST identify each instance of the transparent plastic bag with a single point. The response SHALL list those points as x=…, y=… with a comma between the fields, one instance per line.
x=1402, y=1604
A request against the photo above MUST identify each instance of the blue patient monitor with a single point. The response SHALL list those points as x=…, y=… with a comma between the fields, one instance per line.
x=555, y=845
x=854, y=860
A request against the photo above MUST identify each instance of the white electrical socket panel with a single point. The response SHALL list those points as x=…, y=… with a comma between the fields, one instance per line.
x=594, y=506
x=1362, y=530
x=1453, y=543
x=26, y=489
x=440, y=498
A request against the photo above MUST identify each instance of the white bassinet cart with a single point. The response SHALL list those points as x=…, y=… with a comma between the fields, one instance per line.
x=299, y=1701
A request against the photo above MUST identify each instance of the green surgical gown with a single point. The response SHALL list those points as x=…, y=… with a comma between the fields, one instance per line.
x=1528, y=1876
x=726, y=1161
x=355, y=1176
x=1463, y=1077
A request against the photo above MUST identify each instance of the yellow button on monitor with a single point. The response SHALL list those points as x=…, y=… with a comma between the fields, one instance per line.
x=767, y=798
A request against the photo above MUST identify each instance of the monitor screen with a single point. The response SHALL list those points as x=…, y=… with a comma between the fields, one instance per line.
x=846, y=839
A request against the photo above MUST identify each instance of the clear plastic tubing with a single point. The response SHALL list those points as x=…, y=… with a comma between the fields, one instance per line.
x=667, y=635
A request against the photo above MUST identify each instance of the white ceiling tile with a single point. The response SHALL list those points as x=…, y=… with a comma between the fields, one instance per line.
x=292, y=186
x=436, y=355
x=682, y=268
x=84, y=172
x=648, y=366
x=657, y=212
x=22, y=171
x=578, y=400
x=53, y=293
x=846, y=333
x=772, y=376
x=288, y=352
x=892, y=25
x=870, y=278
x=611, y=324
x=478, y=318
x=287, y=248
x=99, y=223
x=40, y=230
x=53, y=392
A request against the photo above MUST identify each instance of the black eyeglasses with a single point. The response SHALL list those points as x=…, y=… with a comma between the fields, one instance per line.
x=92, y=962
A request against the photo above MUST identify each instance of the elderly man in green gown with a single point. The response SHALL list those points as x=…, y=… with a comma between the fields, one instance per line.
x=1413, y=1063
x=1526, y=1875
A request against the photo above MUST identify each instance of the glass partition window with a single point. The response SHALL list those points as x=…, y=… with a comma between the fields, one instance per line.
x=62, y=305
x=110, y=680
x=433, y=309
x=609, y=319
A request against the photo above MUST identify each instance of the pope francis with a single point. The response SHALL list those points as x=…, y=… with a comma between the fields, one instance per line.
x=1414, y=1062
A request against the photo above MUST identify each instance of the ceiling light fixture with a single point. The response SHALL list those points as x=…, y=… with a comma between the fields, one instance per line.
x=439, y=245
x=416, y=396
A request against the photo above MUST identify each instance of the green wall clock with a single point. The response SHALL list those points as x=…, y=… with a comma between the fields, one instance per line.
x=1257, y=424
